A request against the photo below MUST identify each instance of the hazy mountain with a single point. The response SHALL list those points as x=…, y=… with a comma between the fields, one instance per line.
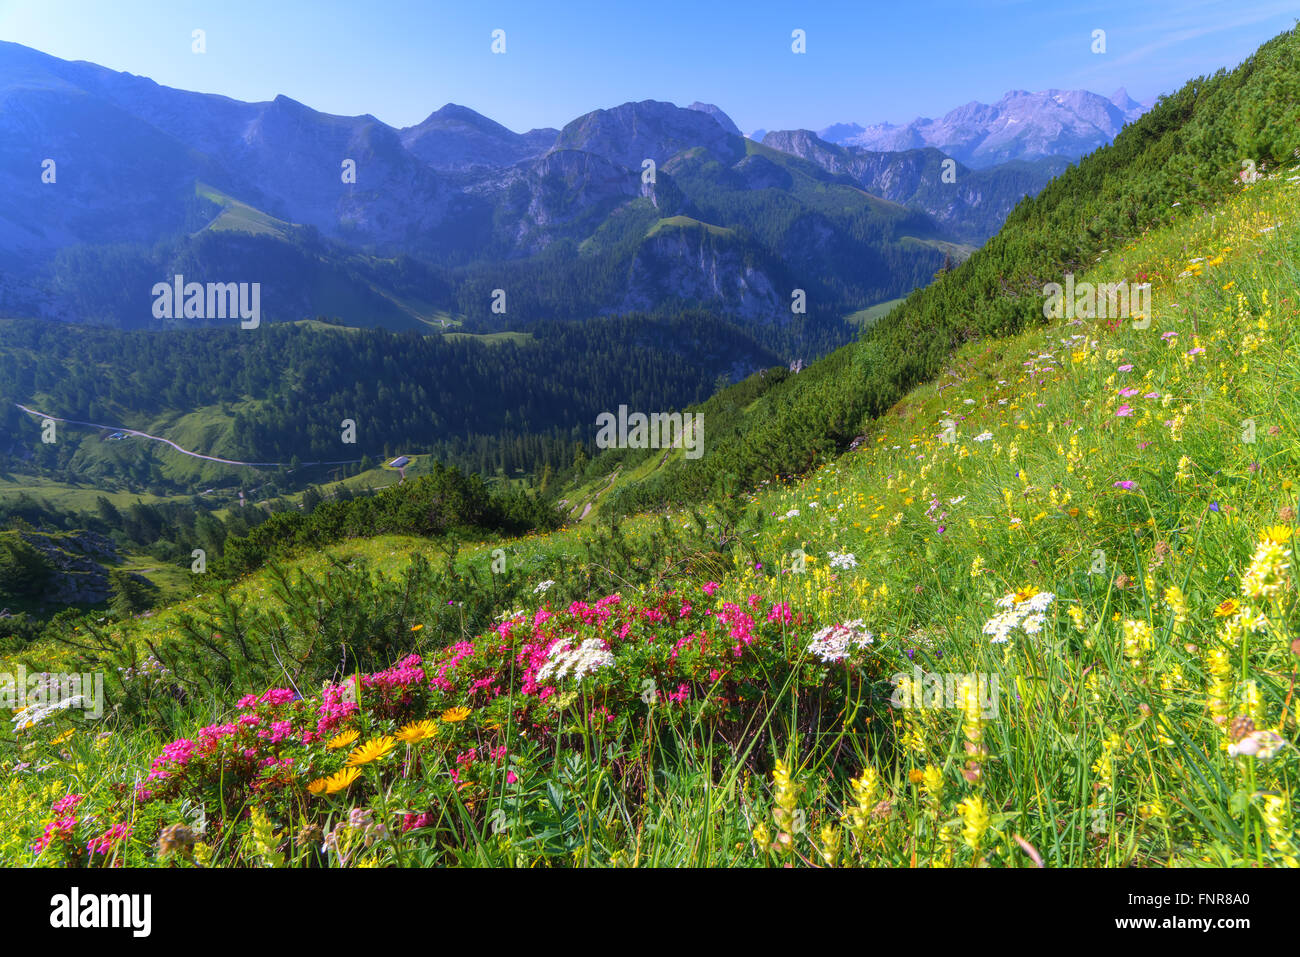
x=723, y=119
x=457, y=138
x=347, y=216
x=1021, y=125
x=972, y=206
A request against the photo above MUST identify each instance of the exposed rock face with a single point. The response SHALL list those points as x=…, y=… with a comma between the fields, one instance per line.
x=692, y=266
x=78, y=560
x=972, y=203
x=1020, y=126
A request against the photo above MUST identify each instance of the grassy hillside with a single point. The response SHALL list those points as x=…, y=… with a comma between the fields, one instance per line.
x=1184, y=155
x=1087, y=490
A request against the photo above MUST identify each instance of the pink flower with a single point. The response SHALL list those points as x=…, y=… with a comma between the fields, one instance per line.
x=1124, y=409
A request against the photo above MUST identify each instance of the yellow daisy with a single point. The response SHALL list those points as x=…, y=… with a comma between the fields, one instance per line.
x=372, y=750
x=1026, y=593
x=1277, y=534
x=318, y=786
x=1227, y=608
x=341, y=781
x=418, y=731
x=343, y=740
x=455, y=714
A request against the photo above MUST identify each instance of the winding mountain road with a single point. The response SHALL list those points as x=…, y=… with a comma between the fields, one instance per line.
x=159, y=438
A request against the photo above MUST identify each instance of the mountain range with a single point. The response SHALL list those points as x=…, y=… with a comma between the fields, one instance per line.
x=1020, y=126
x=111, y=183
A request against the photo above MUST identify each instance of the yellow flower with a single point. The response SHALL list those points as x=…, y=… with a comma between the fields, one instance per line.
x=1026, y=593
x=416, y=627
x=63, y=737
x=318, y=786
x=1227, y=608
x=455, y=714
x=343, y=740
x=341, y=781
x=1276, y=534
x=418, y=731
x=371, y=751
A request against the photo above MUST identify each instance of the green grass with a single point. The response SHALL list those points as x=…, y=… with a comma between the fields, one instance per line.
x=240, y=217
x=686, y=222
x=864, y=317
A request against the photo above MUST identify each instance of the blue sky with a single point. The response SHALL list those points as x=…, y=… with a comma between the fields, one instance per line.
x=866, y=61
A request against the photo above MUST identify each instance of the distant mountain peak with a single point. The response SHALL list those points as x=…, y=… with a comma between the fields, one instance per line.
x=1022, y=125
x=723, y=119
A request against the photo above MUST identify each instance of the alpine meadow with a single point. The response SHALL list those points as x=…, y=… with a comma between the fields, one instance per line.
x=635, y=492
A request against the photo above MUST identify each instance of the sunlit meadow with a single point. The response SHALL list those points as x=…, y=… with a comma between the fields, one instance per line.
x=1089, y=527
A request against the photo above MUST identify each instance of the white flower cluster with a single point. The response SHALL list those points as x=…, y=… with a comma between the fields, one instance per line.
x=34, y=714
x=1027, y=614
x=563, y=660
x=834, y=642
x=543, y=587
x=1266, y=577
x=842, y=560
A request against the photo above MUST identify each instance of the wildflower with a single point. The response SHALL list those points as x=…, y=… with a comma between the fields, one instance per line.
x=454, y=715
x=543, y=587
x=343, y=740
x=1260, y=744
x=317, y=787
x=1138, y=640
x=566, y=661
x=1266, y=577
x=836, y=642
x=843, y=560
x=1024, y=609
x=1276, y=534
x=864, y=789
x=972, y=726
x=932, y=784
x=1076, y=616
x=1227, y=608
x=786, y=798
x=417, y=731
x=976, y=821
x=831, y=844
x=265, y=840
x=1177, y=602
x=372, y=750
x=1219, y=669
x=1275, y=814
x=341, y=781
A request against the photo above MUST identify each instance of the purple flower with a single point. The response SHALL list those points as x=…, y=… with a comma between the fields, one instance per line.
x=1126, y=485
